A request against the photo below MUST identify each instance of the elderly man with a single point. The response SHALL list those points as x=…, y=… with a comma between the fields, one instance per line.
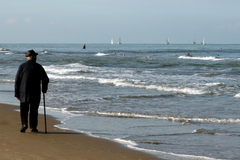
x=30, y=79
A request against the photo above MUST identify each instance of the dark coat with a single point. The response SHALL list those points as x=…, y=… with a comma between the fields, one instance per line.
x=29, y=79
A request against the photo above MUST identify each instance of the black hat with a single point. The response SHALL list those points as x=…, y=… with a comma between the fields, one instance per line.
x=30, y=53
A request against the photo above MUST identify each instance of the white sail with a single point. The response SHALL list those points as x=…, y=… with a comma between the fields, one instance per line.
x=119, y=42
x=167, y=40
x=111, y=41
x=193, y=40
x=204, y=42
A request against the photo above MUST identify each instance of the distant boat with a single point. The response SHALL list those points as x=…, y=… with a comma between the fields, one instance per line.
x=194, y=40
x=204, y=42
x=111, y=41
x=167, y=40
x=119, y=41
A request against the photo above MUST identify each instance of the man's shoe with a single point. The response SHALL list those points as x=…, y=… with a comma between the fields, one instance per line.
x=34, y=130
x=24, y=128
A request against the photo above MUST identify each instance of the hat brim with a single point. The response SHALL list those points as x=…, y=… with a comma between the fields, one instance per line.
x=35, y=54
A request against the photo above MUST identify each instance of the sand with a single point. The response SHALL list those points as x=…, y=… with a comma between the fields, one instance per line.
x=57, y=144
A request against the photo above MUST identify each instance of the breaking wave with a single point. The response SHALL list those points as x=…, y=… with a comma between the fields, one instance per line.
x=102, y=54
x=201, y=58
x=124, y=83
x=182, y=120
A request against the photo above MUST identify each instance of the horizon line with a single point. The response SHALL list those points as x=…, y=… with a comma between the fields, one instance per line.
x=114, y=43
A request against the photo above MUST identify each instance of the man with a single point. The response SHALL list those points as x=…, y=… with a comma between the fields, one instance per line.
x=29, y=79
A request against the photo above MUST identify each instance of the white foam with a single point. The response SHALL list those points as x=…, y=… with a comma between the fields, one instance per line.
x=169, y=118
x=57, y=112
x=59, y=69
x=213, y=84
x=102, y=54
x=44, y=52
x=9, y=53
x=126, y=142
x=201, y=58
x=162, y=88
x=7, y=80
x=69, y=68
x=237, y=95
x=52, y=76
x=3, y=50
x=172, y=154
x=123, y=83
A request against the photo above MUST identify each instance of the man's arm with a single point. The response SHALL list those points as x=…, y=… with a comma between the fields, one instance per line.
x=17, y=83
x=45, y=81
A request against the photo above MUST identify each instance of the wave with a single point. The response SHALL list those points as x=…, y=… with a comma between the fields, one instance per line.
x=102, y=54
x=201, y=58
x=209, y=74
x=6, y=81
x=133, y=145
x=4, y=50
x=214, y=84
x=65, y=69
x=214, y=132
x=9, y=53
x=123, y=83
x=162, y=88
x=6, y=91
x=237, y=95
x=206, y=131
x=169, y=153
x=147, y=96
x=44, y=52
x=128, y=143
x=183, y=120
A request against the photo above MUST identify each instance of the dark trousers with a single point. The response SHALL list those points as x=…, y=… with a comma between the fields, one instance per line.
x=33, y=116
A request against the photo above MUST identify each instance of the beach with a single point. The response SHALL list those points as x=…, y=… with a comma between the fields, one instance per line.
x=56, y=143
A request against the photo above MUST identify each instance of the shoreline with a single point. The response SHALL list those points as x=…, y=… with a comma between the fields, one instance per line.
x=57, y=143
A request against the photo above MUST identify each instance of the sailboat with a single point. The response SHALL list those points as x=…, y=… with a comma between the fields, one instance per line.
x=204, y=42
x=194, y=40
x=119, y=41
x=167, y=40
x=111, y=41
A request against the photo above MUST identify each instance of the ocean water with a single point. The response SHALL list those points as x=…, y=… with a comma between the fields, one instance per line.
x=149, y=97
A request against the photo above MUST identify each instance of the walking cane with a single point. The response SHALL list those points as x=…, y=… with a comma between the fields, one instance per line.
x=44, y=113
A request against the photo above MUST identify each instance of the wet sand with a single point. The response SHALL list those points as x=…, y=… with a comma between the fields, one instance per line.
x=57, y=144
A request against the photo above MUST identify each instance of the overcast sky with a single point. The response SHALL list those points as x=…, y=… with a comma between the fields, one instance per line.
x=135, y=21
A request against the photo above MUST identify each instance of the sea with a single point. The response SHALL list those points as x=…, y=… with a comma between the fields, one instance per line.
x=176, y=101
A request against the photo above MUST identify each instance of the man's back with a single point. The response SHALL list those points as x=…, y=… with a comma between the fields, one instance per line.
x=28, y=81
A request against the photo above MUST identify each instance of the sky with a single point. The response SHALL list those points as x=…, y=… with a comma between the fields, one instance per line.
x=135, y=21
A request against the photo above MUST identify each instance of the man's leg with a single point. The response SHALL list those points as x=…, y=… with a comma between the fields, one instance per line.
x=34, y=116
x=24, y=108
